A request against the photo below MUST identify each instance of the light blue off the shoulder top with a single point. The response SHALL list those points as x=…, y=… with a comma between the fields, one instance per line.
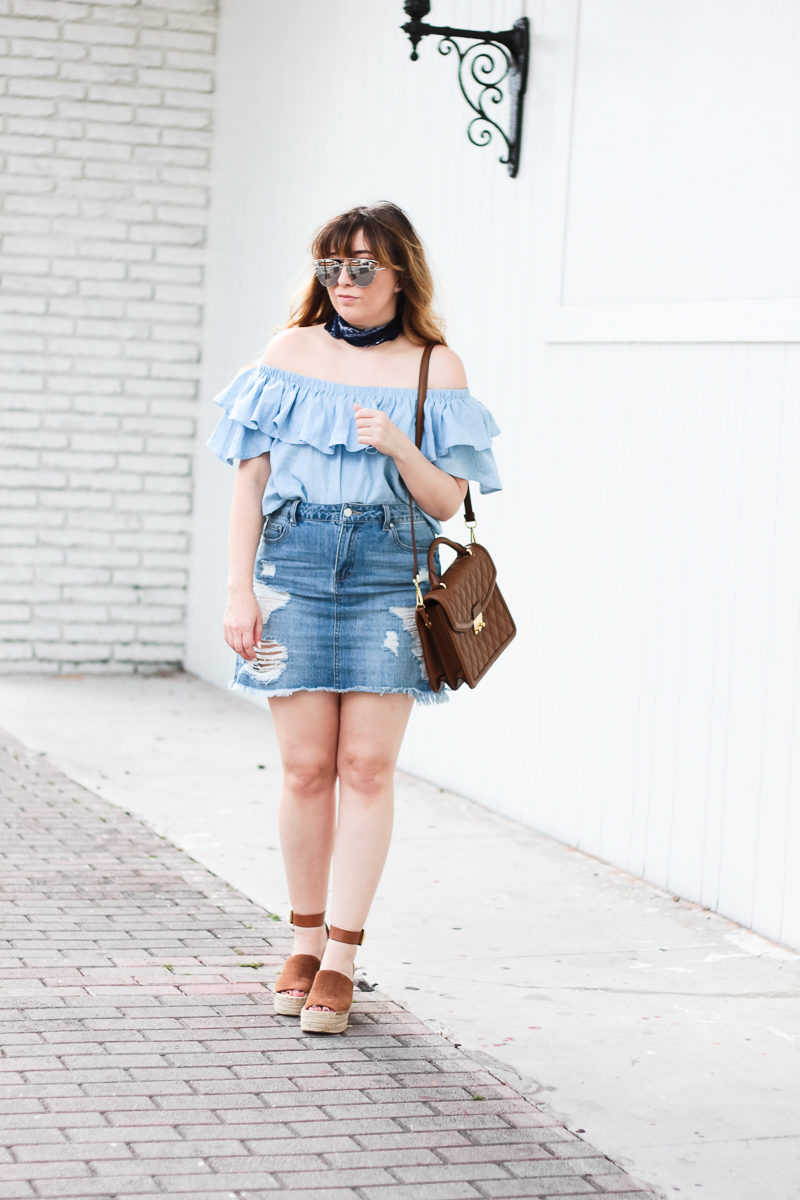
x=309, y=429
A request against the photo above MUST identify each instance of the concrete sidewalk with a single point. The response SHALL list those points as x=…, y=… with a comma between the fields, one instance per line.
x=141, y=1054
x=665, y=1035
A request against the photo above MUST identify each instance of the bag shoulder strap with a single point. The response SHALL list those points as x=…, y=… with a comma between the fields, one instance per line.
x=422, y=391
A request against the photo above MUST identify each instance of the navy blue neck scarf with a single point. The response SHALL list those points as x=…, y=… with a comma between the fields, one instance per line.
x=338, y=328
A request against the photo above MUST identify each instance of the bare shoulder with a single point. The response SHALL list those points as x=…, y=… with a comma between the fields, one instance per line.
x=289, y=348
x=446, y=369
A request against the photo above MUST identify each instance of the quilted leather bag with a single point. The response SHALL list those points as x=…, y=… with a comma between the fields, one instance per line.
x=463, y=621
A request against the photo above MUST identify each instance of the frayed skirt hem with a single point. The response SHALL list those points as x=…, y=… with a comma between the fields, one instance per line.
x=262, y=696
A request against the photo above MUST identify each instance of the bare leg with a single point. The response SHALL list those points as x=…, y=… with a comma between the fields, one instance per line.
x=371, y=729
x=307, y=728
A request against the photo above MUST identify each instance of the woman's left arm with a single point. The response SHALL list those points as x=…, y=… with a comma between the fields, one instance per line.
x=437, y=493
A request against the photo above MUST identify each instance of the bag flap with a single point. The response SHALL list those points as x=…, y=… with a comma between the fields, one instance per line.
x=465, y=588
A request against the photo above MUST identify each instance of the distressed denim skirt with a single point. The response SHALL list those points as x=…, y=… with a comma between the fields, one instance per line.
x=335, y=587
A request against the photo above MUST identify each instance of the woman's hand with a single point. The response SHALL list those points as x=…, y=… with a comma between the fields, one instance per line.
x=242, y=623
x=375, y=429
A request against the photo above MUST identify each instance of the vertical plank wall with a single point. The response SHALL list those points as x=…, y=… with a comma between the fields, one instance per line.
x=647, y=537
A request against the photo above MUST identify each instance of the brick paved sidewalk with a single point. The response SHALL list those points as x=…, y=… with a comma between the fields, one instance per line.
x=141, y=1056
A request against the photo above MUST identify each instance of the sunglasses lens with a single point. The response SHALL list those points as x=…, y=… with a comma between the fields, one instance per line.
x=361, y=271
x=328, y=271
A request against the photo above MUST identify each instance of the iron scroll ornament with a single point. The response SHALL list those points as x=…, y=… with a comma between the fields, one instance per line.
x=494, y=59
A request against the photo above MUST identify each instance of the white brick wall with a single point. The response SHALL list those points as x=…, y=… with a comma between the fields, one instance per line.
x=105, y=141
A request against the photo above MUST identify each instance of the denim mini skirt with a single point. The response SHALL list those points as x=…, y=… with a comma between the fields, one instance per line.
x=335, y=586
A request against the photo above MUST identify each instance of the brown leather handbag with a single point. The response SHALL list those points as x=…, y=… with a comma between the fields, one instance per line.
x=463, y=621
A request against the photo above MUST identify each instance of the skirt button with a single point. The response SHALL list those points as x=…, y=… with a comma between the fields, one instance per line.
x=348, y=512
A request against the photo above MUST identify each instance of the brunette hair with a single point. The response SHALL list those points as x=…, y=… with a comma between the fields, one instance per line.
x=396, y=244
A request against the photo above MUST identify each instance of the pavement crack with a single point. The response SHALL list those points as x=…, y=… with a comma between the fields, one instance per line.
x=611, y=991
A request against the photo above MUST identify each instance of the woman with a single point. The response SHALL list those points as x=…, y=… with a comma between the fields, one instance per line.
x=321, y=599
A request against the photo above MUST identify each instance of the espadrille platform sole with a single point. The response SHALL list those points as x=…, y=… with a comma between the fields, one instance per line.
x=288, y=1006
x=323, y=1022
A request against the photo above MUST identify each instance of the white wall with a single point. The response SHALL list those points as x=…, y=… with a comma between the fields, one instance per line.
x=639, y=351
x=105, y=143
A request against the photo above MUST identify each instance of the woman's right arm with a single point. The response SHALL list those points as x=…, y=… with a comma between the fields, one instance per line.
x=242, y=622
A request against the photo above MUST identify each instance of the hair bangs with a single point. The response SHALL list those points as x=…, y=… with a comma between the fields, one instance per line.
x=338, y=239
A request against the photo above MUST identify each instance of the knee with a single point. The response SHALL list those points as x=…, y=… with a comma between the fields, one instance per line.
x=364, y=771
x=304, y=777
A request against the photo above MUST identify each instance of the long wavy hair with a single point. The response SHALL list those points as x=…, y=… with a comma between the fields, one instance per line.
x=396, y=244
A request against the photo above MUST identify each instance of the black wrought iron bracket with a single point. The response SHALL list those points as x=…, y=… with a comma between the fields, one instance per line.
x=482, y=68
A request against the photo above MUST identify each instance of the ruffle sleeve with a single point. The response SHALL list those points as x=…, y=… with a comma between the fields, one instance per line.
x=265, y=404
x=250, y=404
x=457, y=437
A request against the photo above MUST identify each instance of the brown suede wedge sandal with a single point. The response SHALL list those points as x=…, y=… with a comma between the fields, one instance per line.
x=299, y=971
x=333, y=990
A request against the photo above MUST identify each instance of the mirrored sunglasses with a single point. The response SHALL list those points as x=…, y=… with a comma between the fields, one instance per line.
x=361, y=271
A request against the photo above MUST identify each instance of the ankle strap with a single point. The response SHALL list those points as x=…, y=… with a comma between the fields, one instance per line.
x=306, y=922
x=346, y=935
